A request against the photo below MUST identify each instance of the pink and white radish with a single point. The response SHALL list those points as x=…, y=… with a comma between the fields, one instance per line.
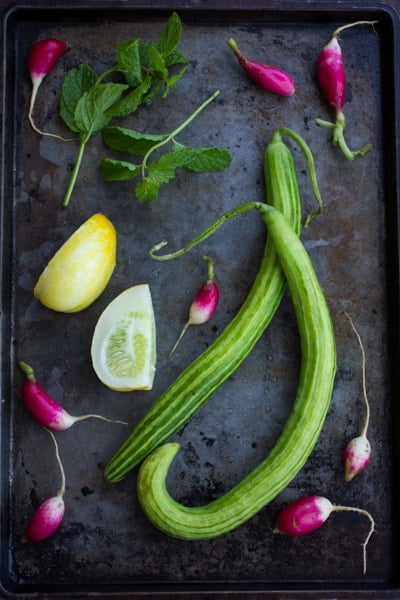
x=48, y=517
x=205, y=303
x=45, y=409
x=332, y=81
x=41, y=59
x=308, y=513
x=357, y=453
x=269, y=78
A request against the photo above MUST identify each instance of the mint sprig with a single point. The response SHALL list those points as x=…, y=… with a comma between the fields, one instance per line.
x=158, y=172
x=88, y=103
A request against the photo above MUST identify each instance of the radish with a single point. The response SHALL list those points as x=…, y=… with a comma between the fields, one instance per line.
x=308, y=513
x=205, y=303
x=331, y=75
x=357, y=453
x=269, y=78
x=332, y=81
x=48, y=517
x=41, y=59
x=46, y=410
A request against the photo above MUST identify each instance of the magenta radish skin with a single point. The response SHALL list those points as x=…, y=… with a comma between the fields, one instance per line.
x=205, y=303
x=303, y=515
x=43, y=56
x=267, y=77
x=331, y=75
x=41, y=59
x=44, y=408
x=357, y=453
x=332, y=81
x=48, y=517
x=308, y=513
x=46, y=520
x=356, y=456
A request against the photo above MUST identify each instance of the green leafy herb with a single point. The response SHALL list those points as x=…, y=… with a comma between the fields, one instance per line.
x=91, y=111
x=77, y=82
x=162, y=170
x=88, y=103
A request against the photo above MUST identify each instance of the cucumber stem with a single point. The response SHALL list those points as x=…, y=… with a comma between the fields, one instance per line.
x=242, y=208
x=310, y=167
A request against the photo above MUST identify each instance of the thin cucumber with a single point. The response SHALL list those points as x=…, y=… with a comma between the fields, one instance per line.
x=300, y=433
x=205, y=374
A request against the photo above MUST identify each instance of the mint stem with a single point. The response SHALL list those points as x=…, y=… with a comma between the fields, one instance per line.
x=182, y=126
x=105, y=74
x=74, y=175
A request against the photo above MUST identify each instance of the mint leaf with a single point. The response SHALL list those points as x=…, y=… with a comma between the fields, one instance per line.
x=170, y=36
x=128, y=61
x=156, y=87
x=77, y=82
x=146, y=191
x=161, y=171
x=87, y=104
x=129, y=103
x=176, y=57
x=118, y=170
x=173, y=80
x=202, y=160
x=128, y=140
x=91, y=111
x=157, y=62
x=199, y=160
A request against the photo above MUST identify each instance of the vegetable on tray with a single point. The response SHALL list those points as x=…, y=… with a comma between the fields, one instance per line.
x=44, y=408
x=332, y=81
x=50, y=514
x=162, y=170
x=204, y=305
x=80, y=270
x=198, y=381
x=300, y=432
x=357, y=453
x=41, y=59
x=267, y=77
x=88, y=103
x=308, y=513
x=123, y=348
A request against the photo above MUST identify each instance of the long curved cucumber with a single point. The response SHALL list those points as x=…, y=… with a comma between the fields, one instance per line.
x=302, y=428
x=206, y=373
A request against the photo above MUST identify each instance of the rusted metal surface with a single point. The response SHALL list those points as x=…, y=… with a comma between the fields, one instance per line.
x=106, y=546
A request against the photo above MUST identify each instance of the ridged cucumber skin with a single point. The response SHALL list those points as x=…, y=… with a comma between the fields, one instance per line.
x=302, y=428
x=206, y=373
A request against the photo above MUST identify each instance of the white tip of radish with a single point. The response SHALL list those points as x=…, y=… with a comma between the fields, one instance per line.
x=333, y=45
x=356, y=456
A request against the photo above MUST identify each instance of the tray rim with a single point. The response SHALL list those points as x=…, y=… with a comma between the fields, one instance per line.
x=10, y=9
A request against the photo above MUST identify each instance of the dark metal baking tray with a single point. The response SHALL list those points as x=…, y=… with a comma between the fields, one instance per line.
x=105, y=547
